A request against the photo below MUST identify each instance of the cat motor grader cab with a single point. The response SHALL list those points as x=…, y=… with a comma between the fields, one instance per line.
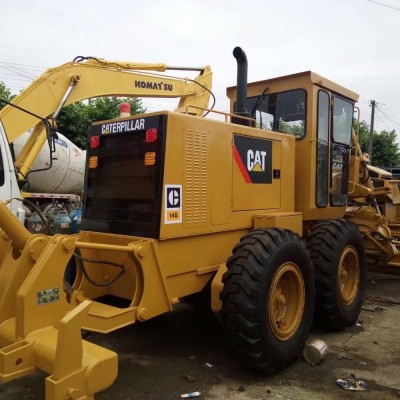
x=255, y=205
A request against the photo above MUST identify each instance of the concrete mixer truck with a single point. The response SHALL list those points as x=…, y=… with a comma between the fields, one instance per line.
x=62, y=183
x=41, y=173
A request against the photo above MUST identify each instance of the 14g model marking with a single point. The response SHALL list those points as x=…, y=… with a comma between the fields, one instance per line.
x=173, y=204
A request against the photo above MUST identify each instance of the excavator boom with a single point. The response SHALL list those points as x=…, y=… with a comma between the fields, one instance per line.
x=76, y=81
x=96, y=78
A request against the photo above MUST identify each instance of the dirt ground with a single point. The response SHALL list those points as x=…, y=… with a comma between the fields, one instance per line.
x=185, y=351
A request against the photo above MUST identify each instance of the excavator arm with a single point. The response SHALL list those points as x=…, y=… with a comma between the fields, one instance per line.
x=96, y=78
x=76, y=81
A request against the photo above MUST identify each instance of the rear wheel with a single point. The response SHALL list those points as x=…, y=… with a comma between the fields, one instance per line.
x=337, y=251
x=268, y=298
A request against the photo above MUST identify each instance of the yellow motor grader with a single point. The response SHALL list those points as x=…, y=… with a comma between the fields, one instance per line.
x=273, y=208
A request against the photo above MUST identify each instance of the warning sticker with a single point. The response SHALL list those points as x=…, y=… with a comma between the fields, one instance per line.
x=173, y=204
x=48, y=296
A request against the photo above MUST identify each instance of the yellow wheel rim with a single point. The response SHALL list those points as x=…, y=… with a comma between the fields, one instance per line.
x=286, y=301
x=348, y=275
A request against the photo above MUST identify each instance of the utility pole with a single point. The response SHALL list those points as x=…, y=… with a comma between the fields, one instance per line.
x=371, y=131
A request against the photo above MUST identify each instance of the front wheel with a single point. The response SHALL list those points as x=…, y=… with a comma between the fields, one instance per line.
x=268, y=298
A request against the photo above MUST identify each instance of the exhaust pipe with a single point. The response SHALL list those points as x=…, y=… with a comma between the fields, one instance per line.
x=241, y=98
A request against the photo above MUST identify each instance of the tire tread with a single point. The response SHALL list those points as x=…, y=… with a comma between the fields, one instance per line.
x=323, y=244
x=241, y=297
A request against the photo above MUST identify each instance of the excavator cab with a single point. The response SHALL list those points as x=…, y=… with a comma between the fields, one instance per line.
x=319, y=114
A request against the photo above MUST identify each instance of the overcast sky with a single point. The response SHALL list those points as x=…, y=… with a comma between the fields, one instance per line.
x=355, y=43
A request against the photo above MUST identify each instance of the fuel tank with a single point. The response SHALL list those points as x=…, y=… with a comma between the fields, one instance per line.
x=68, y=170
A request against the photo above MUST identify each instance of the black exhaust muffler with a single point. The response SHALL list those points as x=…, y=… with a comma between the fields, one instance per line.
x=241, y=97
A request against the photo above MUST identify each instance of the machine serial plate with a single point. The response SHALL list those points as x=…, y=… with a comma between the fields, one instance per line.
x=48, y=296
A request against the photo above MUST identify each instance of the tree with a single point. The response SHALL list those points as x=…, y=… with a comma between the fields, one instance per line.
x=5, y=94
x=385, y=151
x=75, y=119
x=73, y=122
x=363, y=135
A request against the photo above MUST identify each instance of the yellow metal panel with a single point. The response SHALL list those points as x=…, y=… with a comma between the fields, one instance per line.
x=221, y=200
x=183, y=285
x=314, y=213
x=5, y=243
x=292, y=221
x=45, y=281
x=301, y=76
x=10, y=367
x=195, y=178
x=105, y=319
x=192, y=253
x=212, y=205
x=216, y=288
x=253, y=196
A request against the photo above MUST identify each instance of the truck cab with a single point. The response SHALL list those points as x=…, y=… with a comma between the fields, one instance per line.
x=8, y=179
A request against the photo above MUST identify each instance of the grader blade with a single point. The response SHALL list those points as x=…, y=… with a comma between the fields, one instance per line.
x=39, y=328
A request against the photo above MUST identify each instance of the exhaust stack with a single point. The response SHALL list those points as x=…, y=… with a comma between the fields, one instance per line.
x=241, y=98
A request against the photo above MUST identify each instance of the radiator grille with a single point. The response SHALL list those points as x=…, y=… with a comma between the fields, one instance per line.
x=122, y=195
x=195, y=178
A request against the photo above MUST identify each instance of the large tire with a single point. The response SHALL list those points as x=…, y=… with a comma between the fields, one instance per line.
x=337, y=252
x=268, y=299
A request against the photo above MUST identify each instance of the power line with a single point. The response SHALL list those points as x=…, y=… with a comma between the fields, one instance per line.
x=384, y=5
x=15, y=68
x=16, y=79
x=7, y=74
x=383, y=122
x=18, y=73
x=388, y=116
x=391, y=119
x=26, y=66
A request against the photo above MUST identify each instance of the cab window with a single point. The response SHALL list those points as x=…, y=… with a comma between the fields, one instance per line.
x=281, y=112
x=342, y=119
x=322, y=149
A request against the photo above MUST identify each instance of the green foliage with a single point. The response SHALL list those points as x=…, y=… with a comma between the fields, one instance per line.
x=108, y=107
x=295, y=128
x=363, y=136
x=385, y=149
x=5, y=94
x=73, y=122
x=75, y=119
